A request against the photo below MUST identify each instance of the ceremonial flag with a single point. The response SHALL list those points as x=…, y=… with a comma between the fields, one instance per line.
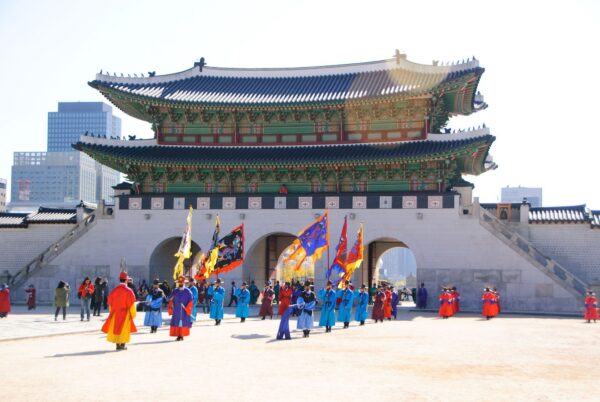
x=230, y=251
x=213, y=253
x=185, y=247
x=355, y=257
x=336, y=271
x=313, y=240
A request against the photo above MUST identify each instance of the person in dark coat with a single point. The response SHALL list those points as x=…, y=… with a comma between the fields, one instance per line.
x=422, y=297
x=266, y=308
x=378, y=303
x=99, y=289
x=30, y=297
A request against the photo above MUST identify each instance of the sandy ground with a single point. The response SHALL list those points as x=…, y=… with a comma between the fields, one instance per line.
x=418, y=357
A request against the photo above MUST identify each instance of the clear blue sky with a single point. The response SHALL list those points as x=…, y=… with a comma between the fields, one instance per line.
x=541, y=60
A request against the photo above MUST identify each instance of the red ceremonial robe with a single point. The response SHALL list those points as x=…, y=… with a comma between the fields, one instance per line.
x=266, y=308
x=387, y=305
x=122, y=312
x=490, y=305
x=446, y=309
x=378, y=306
x=285, y=298
x=5, y=301
x=591, y=308
x=456, y=302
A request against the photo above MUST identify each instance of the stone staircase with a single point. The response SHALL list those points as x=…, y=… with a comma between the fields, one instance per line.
x=527, y=250
x=49, y=254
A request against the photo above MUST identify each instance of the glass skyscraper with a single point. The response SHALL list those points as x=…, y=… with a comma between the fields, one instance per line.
x=61, y=177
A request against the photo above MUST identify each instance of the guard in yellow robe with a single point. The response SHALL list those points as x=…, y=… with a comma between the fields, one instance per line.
x=119, y=325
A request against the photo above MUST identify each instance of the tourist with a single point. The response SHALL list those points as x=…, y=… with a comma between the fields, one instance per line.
x=201, y=293
x=164, y=286
x=456, y=300
x=285, y=298
x=232, y=296
x=4, y=300
x=105, y=290
x=422, y=297
x=277, y=290
x=154, y=301
x=306, y=305
x=180, y=310
x=490, y=304
x=131, y=286
x=216, y=304
x=194, y=290
x=345, y=311
x=266, y=307
x=591, y=307
x=328, y=297
x=413, y=294
x=61, y=299
x=361, y=312
x=395, y=301
x=254, y=293
x=99, y=290
x=387, y=303
x=243, y=299
x=378, y=302
x=85, y=293
x=119, y=325
x=446, y=309
x=30, y=297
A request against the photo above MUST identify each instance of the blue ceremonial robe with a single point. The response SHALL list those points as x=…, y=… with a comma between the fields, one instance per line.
x=361, y=313
x=284, y=324
x=180, y=298
x=194, y=291
x=395, y=301
x=216, y=305
x=327, y=318
x=305, y=319
x=243, y=299
x=422, y=298
x=345, y=311
x=153, y=317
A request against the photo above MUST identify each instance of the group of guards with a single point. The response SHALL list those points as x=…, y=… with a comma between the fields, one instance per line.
x=183, y=300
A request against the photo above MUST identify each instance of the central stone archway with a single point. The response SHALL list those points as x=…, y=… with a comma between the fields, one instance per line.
x=262, y=256
x=163, y=258
x=376, y=249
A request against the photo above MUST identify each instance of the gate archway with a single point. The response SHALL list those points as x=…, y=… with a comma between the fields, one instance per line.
x=163, y=258
x=262, y=256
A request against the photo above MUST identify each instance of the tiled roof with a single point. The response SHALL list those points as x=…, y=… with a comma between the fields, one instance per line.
x=316, y=155
x=293, y=86
x=572, y=214
x=595, y=219
x=12, y=220
x=53, y=215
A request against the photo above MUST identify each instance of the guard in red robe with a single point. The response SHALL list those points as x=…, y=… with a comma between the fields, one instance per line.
x=456, y=300
x=285, y=298
x=591, y=307
x=4, y=300
x=490, y=304
x=497, y=294
x=446, y=309
x=266, y=308
x=378, y=302
x=30, y=297
x=387, y=304
x=119, y=325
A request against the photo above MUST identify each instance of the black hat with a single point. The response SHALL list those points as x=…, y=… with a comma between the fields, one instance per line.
x=363, y=286
x=307, y=283
x=218, y=280
x=244, y=283
x=347, y=282
x=329, y=283
x=156, y=282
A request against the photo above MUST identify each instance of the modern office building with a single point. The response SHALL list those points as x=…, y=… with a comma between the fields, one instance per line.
x=533, y=195
x=73, y=119
x=61, y=177
x=2, y=195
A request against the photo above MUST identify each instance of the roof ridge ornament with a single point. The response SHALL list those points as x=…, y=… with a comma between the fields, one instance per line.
x=200, y=64
x=399, y=56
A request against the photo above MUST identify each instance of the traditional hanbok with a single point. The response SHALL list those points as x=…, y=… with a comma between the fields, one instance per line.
x=119, y=325
x=285, y=298
x=284, y=324
x=153, y=317
x=306, y=305
x=361, y=313
x=266, y=307
x=243, y=300
x=4, y=301
x=490, y=305
x=194, y=291
x=422, y=298
x=327, y=318
x=446, y=308
x=345, y=311
x=395, y=301
x=216, y=306
x=378, y=306
x=387, y=305
x=591, y=308
x=180, y=308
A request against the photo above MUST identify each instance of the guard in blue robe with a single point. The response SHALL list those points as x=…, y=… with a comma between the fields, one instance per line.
x=345, y=311
x=306, y=305
x=154, y=301
x=284, y=325
x=180, y=308
x=422, y=297
x=216, y=304
x=328, y=297
x=395, y=301
x=243, y=300
x=361, y=313
x=194, y=290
